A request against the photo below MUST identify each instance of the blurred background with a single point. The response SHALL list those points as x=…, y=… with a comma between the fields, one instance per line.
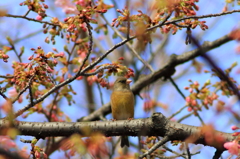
x=91, y=97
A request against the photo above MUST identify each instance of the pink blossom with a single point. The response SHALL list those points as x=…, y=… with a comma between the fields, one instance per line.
x=193, y=102
x=31, y=57
x=232, y=147
x=196, y=83
x=12, y=93
x=67, y=6
x=234, y=127
x=60, y=54
x=7, y=142
x=49, y=70
x=39, y=17
x=91, y=79
x=190, y=90
x=82, y=56
x=37, y=154
x=81, y=2
x=188, y=99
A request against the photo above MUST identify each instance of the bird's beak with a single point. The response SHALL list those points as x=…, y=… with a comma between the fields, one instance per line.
x=129, y=81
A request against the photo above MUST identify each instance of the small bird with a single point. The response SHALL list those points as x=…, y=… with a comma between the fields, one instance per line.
x=122, y=103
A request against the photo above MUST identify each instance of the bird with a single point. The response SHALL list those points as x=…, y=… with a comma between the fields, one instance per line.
x=122, y=103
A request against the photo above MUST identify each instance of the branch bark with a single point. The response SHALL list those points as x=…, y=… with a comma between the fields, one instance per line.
x=156, y=125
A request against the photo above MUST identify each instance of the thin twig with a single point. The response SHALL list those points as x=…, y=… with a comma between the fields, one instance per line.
x=130, y=47
x=23, y=90
x=179, y=111
x=7, y=77
x=30, y=93
x=25, y=15
x=187, y=150
x=174, y=152
x=31, y=19
x=165, y=157
x=27, y=36
x=181, y=26
x=184, y=117
x=100, y=93
x=200, y=17
x=154, y=147
x=2, y=94
x=128, y=20
x=15, y=51
x=73, y=48
x=177, y=88
x=90, y=45
x=98, y=70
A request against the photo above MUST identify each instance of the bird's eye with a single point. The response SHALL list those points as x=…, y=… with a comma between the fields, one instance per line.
x=122, y=81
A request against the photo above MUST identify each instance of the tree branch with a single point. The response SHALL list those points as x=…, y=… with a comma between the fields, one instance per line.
x=31, y=19
x=156, y=125
x=156, y=146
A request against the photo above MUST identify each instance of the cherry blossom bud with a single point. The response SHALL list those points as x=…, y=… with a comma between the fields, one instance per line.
x=234, y=127
x=190, y=90
x=196, y=83
x=39, y=18
x=60, y=54
x=30, y=58
x=188, y=99
x=49, y=70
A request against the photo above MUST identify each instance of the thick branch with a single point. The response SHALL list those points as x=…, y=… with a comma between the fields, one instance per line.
x=157, y=125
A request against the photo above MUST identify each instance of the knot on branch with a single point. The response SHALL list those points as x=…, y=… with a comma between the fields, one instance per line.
x=159, y=120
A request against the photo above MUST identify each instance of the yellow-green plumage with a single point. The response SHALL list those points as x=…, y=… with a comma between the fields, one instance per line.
x=122, y=103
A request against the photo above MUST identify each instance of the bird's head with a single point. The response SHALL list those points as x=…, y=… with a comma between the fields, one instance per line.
x=121, y=84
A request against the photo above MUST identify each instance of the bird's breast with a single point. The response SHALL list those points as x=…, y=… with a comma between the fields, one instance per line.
x=122, y=103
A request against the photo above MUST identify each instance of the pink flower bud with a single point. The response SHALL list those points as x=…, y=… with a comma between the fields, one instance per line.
x=39, y=18
x=49, y=70
x=189, y=109
x=190, y=90
x=30, y=58
x=60, y=54
x=196, y=83
x=234, y=127
x=193, y=102
x=188, y=99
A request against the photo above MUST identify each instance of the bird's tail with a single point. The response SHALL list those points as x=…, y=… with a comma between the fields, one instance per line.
x=124, y=141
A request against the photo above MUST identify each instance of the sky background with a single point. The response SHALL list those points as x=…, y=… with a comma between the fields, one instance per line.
x=224, y=56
